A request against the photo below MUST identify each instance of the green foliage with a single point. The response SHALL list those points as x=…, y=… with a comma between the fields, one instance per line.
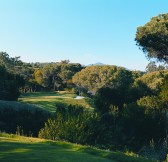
x=151, y=67
x=151, y=103
x=72, y=124
x=10, y=84
x=154, y=112
x=56, y=76
x=164, y=91
x=41, y=76
x=92, y=78
x=136, y=121
x=153, y=80
x=129, y=125
x=14, y=116
x=137, y=90
x=106, y=97
x=11, y=64
x=136, y=74
x=152, y=37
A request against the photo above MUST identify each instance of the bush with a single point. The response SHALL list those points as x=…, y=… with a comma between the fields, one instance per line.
x=74, y=125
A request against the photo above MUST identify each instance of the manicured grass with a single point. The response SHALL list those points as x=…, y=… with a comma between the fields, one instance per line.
x=31, y=149
x=49, y=100
x=17, y=148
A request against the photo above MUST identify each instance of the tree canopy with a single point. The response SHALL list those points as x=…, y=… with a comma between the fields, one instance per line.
x=92, y=78
x=152, y=38
x=10, y=84
x=153, y=80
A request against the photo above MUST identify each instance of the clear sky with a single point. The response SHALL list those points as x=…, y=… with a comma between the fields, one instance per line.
x=84, y=31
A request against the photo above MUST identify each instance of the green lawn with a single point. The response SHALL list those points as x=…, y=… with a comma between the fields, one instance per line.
x=17, y=148
x=33, y=149
x=48, y=100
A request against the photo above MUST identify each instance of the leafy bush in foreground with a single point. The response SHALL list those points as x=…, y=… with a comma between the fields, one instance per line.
x=73, y=124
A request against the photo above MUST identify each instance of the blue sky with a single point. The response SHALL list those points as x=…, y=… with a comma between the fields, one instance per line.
x=84, y=31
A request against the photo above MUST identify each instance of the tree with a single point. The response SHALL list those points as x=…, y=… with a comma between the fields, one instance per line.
x=10, y=63
x=93, y=78
x=137, y=90
x=105, y=98
x=10, y=84
x=38, y=77
x=152, y=38
x=151, y=67
x=74, y=125
x=164, y=90
x=152, y=80
x=56, y=76
x=5, y=60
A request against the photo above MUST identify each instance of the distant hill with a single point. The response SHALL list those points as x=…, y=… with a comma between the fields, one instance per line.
x=97, y=63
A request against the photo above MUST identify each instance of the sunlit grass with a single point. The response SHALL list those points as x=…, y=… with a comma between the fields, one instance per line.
x=18, y=148
x=49, y=100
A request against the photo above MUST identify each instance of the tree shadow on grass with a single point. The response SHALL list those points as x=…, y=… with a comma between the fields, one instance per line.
x=44, y=151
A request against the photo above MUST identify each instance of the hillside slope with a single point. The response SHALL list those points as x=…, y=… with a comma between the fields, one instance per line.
x=17, y=148
x=49, y=100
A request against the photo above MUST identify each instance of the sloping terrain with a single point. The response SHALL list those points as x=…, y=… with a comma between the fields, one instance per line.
x=49, y=100
x=18, y=148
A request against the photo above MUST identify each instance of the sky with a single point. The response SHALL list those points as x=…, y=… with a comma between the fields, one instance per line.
x=83, y=31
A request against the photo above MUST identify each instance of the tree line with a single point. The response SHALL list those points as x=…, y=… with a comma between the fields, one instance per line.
x=33, y=77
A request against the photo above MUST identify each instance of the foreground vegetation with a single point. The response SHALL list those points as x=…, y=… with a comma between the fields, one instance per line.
x=19, y=148
x=26, y=117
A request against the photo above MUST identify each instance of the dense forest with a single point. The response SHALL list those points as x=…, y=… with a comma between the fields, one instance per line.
x=129, y=106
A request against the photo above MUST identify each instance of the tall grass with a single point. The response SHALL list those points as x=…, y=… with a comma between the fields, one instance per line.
x=28, y=118
x=15, y=105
